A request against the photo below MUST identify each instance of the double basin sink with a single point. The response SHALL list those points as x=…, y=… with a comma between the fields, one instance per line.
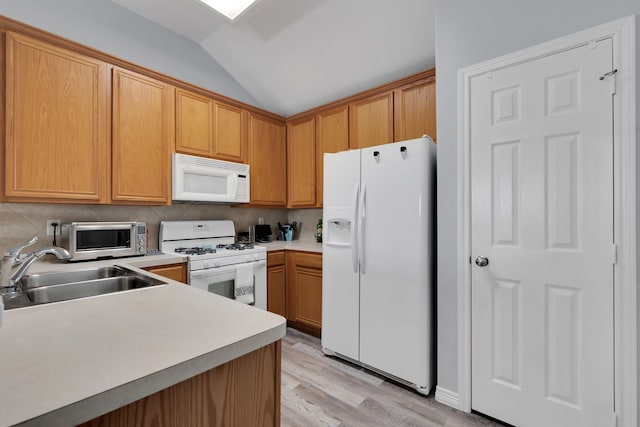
x=72, y=284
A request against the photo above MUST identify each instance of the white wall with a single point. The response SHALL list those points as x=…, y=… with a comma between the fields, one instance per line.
x=468, y=32
x=103, y=25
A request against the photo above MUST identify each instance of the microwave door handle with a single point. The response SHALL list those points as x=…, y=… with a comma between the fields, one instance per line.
x=234, y=185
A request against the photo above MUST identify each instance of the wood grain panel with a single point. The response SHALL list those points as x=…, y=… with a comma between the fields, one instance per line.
x=276, y=290
x=332, y=136
x=194, y=124
x=243, y=392
x=275, y=258
x=267, y=160
x=371, y=121
x=141, y=139
x=304, y=291
x=56, y=113
x=177, y=272
x=231, y=133
x=309, y=293
x=415, y=110
x=301, y=156
x=309, y=259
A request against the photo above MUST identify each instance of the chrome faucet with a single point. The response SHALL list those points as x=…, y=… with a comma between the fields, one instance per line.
x=12, y=258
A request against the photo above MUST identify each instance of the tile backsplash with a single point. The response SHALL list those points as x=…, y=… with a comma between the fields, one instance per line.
x=19, y=222
x=307, y=220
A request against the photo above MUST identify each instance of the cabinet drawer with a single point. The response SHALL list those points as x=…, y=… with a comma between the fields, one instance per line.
x=177, y=272
x=310, y=260
x=275, y=258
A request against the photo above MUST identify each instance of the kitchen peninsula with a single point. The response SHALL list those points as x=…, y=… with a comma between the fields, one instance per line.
x=167, y=354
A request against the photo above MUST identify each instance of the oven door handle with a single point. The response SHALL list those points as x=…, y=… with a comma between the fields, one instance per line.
x=225, y=269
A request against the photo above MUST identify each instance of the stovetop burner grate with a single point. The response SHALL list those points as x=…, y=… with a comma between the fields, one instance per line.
x=209, y=249
x=197, y=250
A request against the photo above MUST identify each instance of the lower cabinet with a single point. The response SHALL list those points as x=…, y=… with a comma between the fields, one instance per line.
x=294, y=288
x=304, y=291
x=276, y=282
x=177, y=272
x=242, y=392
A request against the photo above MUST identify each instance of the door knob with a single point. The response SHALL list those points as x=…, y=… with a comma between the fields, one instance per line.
x=482, y=261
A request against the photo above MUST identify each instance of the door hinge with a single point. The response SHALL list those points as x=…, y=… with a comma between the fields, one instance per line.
x=614, y=254
x=611, y=77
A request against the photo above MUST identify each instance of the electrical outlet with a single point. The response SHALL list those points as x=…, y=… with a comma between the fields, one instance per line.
x=50, y=227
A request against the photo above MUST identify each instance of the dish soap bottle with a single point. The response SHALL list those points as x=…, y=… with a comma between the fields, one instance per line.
x=319, y=231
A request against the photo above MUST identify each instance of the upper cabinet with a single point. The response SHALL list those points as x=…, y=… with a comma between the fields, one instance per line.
x=208, y=128
x=56, y=124
x=332, y=135
x=301, y=153
x=194, y=124
x=371, y=121
x=231, y=133
x=142, y=129
x=267, y=161
x=415, y=110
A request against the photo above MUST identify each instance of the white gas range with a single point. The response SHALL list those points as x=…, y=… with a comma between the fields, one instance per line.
x=215, y=262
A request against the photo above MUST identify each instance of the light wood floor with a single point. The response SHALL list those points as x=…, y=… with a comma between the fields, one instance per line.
x=324, y=391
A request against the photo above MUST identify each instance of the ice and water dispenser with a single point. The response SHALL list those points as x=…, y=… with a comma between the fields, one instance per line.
x=339, y=226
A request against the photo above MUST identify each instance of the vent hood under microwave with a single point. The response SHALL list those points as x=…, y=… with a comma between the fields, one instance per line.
x=199, y=179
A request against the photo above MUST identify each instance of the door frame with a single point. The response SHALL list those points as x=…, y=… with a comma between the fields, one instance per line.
x=622, y=31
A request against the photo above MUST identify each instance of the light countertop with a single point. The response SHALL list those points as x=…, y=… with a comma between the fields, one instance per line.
x=293, y=245
x=67, y=362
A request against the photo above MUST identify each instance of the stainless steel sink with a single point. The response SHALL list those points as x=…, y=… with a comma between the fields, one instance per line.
x=72, y=284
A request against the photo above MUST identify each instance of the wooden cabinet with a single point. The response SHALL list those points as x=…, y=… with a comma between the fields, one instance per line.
x=177, y=272
x=210, y=129
x=267, y=159
x=194, y=123
x=56, y=124
x=332, y=135
x=415, y=110
x=142, y=129
x=242, y=392
x=304, y=291
x=230, y=133
x=301, y=156
x=371, y=121
x=276, y=282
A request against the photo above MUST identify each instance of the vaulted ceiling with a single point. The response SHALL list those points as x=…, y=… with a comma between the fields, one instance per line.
x=293, y=55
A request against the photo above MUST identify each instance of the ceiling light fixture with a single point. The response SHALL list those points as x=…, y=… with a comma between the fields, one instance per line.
x=229, y=8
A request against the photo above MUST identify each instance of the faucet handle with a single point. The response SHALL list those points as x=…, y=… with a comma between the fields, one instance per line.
x=14, y=252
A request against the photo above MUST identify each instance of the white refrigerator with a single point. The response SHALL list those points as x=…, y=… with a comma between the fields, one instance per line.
x=378, y=243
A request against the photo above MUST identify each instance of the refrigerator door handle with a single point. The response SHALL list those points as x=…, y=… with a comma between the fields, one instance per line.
x=361, y=219
x=354, y=231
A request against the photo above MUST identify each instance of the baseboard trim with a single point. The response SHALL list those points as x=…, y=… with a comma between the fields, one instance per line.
x=447, y=397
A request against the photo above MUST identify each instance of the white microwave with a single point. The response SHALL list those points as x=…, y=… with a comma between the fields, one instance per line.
x=199, y=179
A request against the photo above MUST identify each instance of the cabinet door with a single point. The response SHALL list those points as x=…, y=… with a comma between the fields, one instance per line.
x=56, y=123
x=276, y=286
x=415, y=110
x=230, y=133
x=141, y=138
x=267, y=160
x=177, y=272
x=371, y=121
x=194, y=124
x=301, y=172
x=332, y=135
x=304, y=290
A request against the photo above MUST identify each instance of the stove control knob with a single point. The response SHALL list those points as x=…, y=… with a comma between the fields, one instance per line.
x=255, y=257
x=206, y=264
x=216, y=263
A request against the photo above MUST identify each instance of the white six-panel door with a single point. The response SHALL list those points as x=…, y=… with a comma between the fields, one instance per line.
x=542, y=216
